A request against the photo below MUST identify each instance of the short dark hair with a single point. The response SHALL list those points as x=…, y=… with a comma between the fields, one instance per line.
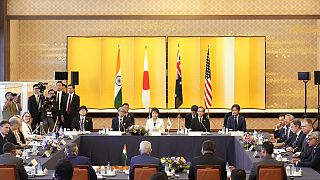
x=83, y=107
x=59, y=82
x=125, y=104
x=155, y=110
x=237, y=106
x=35, y=85
x=2, y=123
x=201, y=107
x=7, y=93
x=158, y=176
x=208, y=145
x=268, y=147
x=238, y=174
x=296, y=122
x=14, y=94
x=282, y=115
x=73, y=87
x=65, y=86
x=64, y=170
x=8, y=147
x=194, y=108
x=50, y=90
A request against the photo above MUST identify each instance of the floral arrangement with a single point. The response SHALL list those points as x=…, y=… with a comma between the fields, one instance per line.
x=50, y=144
x=137, y=130
x=175, y=163
x=249, y=140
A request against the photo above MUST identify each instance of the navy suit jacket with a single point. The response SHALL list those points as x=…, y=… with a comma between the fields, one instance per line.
x=242, y=126
x=144, y=159
x=313, y=160
x=115, y=124
x=197, y=126
x=81, y=160
x=296, y=143
x=280, y=135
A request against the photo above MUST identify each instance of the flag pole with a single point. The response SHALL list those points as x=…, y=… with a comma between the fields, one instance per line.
x=179, y=119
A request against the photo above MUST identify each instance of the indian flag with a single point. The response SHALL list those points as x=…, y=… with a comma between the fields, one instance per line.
x=124, y=152
x=117, y=84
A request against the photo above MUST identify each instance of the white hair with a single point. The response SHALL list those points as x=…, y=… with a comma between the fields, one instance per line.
x=145, y=147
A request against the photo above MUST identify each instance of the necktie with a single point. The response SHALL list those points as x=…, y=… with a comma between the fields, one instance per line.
x=82, y=124
x=69, y=104
x=235, y=123
x=58, y=99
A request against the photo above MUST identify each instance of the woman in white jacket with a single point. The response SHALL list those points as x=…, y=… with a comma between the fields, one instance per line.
x=26, y=127
x=155, y=124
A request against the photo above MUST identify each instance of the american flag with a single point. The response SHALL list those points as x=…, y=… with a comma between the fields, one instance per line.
x=207, y=85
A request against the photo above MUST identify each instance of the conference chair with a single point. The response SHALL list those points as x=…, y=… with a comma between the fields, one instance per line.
x=144, y=171
x=81, y=173
x=270, y=172
x=205, y=172
x=8, y=172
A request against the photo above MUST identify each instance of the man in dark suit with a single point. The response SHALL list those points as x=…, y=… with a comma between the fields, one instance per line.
x=72, y=152
x=236, y=122
x=266, y=152
x=189, y=117
x=35, y=103
x=144, y=158
x=4, y=130
x=128, y=115
x=59, y=99
x=225, y=119
x=313, y=160
x=9, y=158
x=208, y=158
x=81, y=121
x=15, y=123
x=279, y=132
x=306, y=150
x=70, y=106
x=200, y=123
x=120, y=123
x=63, y=170
x=296, y=142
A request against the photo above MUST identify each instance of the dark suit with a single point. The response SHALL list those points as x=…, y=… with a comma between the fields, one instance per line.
x=241, y=124
x=87, y=123
x=144, y=159
x=313, y=160
x=130, y=118
x=11, y=138
x=296, y=143
x=3, y=140
x=280, y=135
x=265, y=161
x=35, y=109
x=306, y=149
x=60, y=104
x=73, y=109
x=207, y=159
x=197, y=126
x=187, y=121
x=225, y=120
x=115, y=124
x=9, y=159
x=81, y=160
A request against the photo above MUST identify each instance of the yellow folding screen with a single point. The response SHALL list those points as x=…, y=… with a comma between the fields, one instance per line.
x=237, y=70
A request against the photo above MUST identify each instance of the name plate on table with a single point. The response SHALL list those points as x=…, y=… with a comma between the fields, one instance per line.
x=115, y=133
x=236, y=133
x=155, y=133
x=195, y=133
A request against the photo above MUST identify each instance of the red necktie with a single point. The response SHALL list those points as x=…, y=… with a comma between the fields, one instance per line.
x=69, y=104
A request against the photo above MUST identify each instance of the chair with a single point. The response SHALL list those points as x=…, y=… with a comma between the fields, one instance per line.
x=270, y=172
x=81, y=173
x=205, y=172
x=144, y=171
x=8, y=172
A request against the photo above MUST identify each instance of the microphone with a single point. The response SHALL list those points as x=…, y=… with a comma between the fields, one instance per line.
x=204, y=127
x=36, y=129
x=121, y=122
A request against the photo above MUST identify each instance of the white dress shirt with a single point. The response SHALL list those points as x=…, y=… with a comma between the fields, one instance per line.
x=158, y=125
x=27, y=131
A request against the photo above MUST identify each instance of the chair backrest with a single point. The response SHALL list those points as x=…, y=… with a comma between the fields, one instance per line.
x=144, y=171
x=270, y=172
x=205, y=172
x=8, y=172
x=81, y=173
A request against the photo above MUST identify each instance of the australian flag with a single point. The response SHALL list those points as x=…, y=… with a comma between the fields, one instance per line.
x=178, y=95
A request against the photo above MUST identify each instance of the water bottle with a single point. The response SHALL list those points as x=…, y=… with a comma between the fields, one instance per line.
x=33, y=170
x=293, y=169
x=108, y=168
x=255, y=133
x=39, y=168
x=228, y=169
x=288, y=170
x=41, y=128
x=166, y=168
x=102, y=170
x=60, y=131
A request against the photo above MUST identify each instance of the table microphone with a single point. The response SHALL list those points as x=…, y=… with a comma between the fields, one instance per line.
x=121, y=122
x=204, y=127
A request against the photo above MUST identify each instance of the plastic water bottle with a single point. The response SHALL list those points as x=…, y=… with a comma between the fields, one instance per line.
x=102, y=170
x=108, y=168
x=39, y=168
x=288, y=170
x=293, y=170
x=60, y=130
x=255, y=133
x=228, y=169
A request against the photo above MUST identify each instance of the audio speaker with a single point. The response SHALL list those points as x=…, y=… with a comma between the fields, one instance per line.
x=304, y=76
x=61, y=75
x=75, y=77
x=316, y=77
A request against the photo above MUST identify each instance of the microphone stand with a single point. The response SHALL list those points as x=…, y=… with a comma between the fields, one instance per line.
x=124, y=129
x=206, y=133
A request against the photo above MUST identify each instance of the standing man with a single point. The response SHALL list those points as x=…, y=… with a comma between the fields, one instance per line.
x=200, y=123
x=9, y=107
x=70, y=107
x=128, y=115
x=59, y=98
x=189, y=117
x=236, y=122
x=50, y=111
x=35, y=103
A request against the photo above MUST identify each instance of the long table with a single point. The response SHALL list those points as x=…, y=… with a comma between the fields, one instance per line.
x=103, y=149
